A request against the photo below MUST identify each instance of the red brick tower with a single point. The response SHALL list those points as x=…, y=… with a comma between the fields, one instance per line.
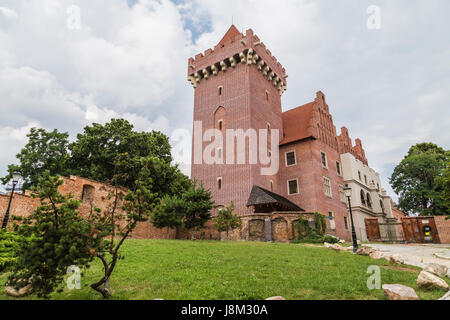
x=238, y=85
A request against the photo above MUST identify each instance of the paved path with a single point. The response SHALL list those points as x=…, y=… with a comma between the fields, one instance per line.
x=418, y=254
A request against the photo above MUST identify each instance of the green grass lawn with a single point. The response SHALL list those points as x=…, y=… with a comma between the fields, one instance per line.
x=175, y=269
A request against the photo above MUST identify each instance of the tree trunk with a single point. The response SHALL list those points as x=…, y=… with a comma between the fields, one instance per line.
x=192, y=235
x=167, y=233
x=227, y=234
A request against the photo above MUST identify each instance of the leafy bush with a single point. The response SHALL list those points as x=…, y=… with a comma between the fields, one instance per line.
x=307, y=234
x=9, y=243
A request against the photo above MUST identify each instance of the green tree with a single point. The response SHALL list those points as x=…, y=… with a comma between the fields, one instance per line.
x=168, y=214
x=226, y=220
x=444, y=183
x=197, y=204
x=136, y=205
x=95, y=151
x=416, y=180
x=43, y=151
x=56, y=236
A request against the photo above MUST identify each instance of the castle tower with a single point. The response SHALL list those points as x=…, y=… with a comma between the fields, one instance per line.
x=238, y=85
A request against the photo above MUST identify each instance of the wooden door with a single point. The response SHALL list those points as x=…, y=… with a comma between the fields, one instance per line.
x=372, y=229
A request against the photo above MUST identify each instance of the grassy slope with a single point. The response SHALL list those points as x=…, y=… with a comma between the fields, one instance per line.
x=240, y=270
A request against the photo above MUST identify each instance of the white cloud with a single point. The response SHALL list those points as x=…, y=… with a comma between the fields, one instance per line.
x=8, y=13
x=388, y=86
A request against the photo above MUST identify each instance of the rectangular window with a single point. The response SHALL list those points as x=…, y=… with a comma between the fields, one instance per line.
x=290, y=158
x=342, y=194
x=327, y=186
x=359, y=175
x=324, y=160
x=292, y=186
x=220, y=125
x=220, y=90
x=219, y=183
x=346, y=223
x=338, y=168
x=332, y=223
x=365, y=179
x=267, y=95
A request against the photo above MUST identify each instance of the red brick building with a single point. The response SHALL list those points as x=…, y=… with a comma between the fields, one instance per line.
x=238, y=85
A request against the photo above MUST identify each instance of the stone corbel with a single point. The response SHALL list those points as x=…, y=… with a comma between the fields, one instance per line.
x=223, y=66
x=271, y=75
x=233, y=62
x=260, y=65
x=275, y=81
x=214, y=70
x=255, y=58
x=266, y=71
x=250, y=56
x=206, y=73
x=197, y=77
x=242, y=56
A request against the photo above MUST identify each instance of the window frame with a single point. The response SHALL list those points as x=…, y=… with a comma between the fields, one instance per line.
x=288, y=189
x=326, y=159
x=331, y=191
x=338, y=168
x=286, y=159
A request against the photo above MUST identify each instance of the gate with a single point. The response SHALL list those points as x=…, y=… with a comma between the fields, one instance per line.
x=372, y=229
x=420, y=230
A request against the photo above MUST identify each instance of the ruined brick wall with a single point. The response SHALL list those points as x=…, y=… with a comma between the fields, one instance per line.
x=92, y=193
x=443, y=227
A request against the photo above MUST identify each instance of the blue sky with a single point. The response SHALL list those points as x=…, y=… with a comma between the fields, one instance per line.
x=389, y=86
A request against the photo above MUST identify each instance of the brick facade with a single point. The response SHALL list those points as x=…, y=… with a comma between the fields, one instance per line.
x=250, y=98
x=91, y=193
x=443, y=227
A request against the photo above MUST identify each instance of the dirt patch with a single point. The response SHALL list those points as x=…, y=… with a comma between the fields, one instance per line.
x=400, y=268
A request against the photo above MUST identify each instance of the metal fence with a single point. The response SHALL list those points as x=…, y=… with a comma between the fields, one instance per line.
x=392, y=232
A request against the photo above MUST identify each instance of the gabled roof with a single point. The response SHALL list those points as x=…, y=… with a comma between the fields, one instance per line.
x=230, y=35
x=262, y=196
x=296, y=122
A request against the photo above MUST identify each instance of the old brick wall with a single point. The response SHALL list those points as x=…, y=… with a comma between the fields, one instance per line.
x=443, y=227
x=92, y=193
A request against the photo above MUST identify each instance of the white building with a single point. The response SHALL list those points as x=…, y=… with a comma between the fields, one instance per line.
x=368, y=199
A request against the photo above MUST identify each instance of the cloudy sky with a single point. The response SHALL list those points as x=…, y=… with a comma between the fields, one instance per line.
x=128, y=58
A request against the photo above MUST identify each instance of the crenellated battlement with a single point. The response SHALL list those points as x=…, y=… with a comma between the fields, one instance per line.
x=234, y=49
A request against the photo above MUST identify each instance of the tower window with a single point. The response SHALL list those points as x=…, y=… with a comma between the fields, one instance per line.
x=327, y=186
x=290, y=158
x=359, y=175
x=220, y=125
x=220, y=90
x=267, y=95
x=271, y=185
x=365, y=179
x=324, y=159
x=219, y=183
x=338, y=168
x=292, y=186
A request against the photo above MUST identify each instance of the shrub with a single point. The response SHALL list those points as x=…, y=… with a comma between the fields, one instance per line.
x=9, y=243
